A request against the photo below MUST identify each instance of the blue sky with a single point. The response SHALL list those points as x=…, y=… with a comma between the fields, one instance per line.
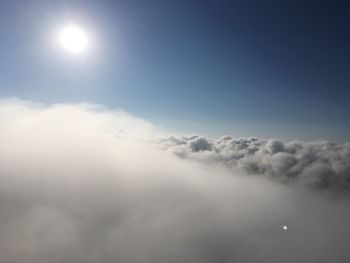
x=245, y=68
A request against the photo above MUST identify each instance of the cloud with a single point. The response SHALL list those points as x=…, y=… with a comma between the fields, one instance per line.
x=81, y=183
x=320, y=164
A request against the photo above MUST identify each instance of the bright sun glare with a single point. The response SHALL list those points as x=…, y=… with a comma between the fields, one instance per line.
x=73, y=39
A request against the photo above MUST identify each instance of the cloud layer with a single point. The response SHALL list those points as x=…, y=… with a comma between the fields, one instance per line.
x=320, y=164
x=80, y=183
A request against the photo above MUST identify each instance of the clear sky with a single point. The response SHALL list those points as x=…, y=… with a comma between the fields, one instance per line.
x=245, y=68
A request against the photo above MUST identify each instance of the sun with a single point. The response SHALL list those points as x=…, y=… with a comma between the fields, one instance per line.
x=73, y=39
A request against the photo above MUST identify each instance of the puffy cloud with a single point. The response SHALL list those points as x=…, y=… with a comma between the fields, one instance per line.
x=81, y=183
x=320, y=164
x=199, y=144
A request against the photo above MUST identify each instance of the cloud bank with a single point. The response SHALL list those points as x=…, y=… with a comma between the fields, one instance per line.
x=320, y=164
x=81, y=183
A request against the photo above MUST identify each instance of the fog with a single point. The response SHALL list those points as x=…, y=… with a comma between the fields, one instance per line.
x=82, y=183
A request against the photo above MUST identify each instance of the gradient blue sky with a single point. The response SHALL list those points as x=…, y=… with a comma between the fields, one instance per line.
x=245, y=68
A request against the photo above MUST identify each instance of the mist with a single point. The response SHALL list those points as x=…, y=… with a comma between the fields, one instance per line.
x=83, y=183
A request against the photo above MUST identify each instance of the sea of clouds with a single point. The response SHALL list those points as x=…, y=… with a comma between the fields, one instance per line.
x=318, y=164
x=82, y=183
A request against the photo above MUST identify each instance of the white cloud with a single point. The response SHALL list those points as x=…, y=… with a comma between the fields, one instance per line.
x=80, y=183
x=319, y=164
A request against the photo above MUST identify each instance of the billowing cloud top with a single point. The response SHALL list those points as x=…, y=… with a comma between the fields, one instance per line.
x=320, y=164
x=81, y=183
